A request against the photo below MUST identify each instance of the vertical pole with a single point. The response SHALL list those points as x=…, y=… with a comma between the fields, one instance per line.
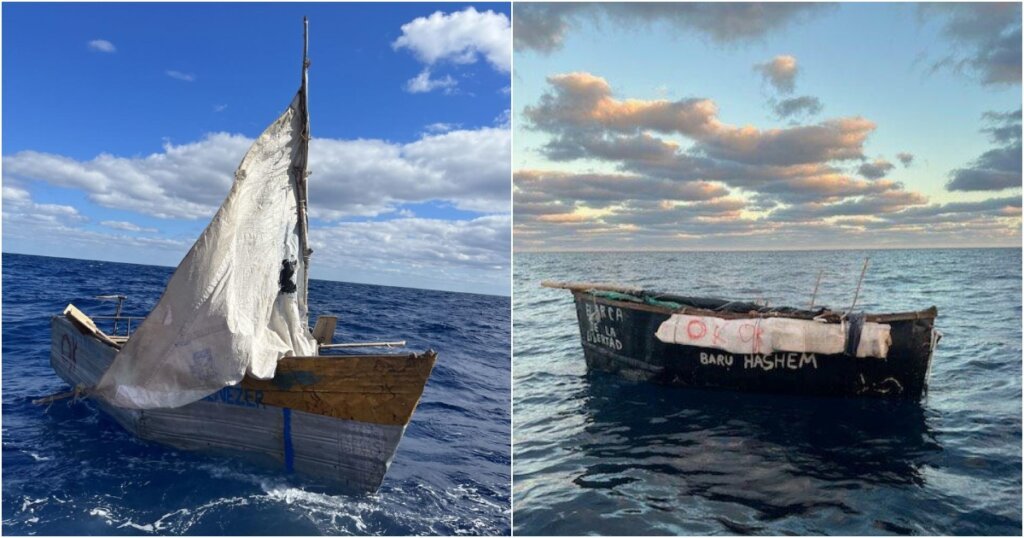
x=859, y=282
x=817, y=283
x=300, y=176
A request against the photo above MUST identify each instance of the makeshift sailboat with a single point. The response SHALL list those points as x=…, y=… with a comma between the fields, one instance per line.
x=226, y=362
x=715, y=343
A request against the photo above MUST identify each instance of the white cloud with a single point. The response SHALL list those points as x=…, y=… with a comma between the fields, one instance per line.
x=56, y=229
x=220, y=108
x=464, y=255
x=18, y=201
x=461, y=37
x=441, y=127
x=187, y=77
x=466, y=168
x=422, y=83
x=102, y=45
x=482, y=243
x=126, y=226
x=185, y=181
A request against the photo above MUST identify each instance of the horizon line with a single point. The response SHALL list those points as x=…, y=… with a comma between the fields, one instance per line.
x=783, y=249
x=324, y=279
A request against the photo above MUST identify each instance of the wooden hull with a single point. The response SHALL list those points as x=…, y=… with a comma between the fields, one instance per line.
x=336, y=418
x=621, y=339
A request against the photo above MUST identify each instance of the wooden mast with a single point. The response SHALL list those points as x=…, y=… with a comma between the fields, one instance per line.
x=301, y=164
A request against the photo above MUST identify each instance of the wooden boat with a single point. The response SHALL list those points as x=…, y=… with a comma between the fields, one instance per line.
x=225, y=361
x=713, y=343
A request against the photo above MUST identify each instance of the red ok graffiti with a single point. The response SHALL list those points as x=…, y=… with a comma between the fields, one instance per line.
x=751, y=332
x=696, y=329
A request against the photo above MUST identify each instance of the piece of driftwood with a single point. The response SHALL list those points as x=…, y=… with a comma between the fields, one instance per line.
x=395, y=343
x=584, y=286
x=87, y=326
x=323, y=331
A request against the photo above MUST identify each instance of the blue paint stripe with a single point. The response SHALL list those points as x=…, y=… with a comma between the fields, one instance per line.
x=289, y=452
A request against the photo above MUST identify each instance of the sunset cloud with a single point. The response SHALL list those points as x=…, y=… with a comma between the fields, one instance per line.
x=581, y=111
x=780, y=72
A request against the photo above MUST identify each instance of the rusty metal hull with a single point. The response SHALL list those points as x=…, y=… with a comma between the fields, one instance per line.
x=243, y=420
x=619, y=337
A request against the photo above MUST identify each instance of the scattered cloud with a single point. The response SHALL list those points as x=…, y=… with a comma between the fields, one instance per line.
x=19, y=202
x=683, y=177
x=504, y=119
x=876, y=169
x=461, y=37
x=986, y=38
x=466, y=168
x=187, y=77
x=780, y=72
x=482, y=243
x=422, y=83
x=543, y=27
x=905, y=158
x=441, y=127
x=584, y=118
x=805, y=105
x=220, y=108
x=998, y=168
x=102, y=45
x=30, y=225
x=126, y=226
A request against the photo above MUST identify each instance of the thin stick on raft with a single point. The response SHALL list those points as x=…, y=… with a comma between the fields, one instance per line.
x=860, y=281
x=584, y=286
x=814, y=294
x=397, y=343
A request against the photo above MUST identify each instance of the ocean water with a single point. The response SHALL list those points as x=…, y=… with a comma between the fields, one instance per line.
x=598, y=454
x=68, y=469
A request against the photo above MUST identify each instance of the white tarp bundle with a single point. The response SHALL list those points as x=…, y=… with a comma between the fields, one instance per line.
x=237, y=302
x=763, y=336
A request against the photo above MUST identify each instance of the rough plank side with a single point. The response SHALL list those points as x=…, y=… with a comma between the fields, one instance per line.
x=379, y=389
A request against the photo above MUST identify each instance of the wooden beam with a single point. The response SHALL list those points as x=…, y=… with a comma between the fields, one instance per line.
x=587, y=286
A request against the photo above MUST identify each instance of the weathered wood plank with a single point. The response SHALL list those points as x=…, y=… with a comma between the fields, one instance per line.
x=381, y=389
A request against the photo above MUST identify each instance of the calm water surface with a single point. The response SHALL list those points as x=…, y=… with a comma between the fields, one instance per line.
x=597, y=454
x=69, y=470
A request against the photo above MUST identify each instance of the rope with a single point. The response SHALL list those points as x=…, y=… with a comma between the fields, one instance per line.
x=79, y=393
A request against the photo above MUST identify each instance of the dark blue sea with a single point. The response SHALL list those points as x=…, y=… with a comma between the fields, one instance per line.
x=598, y=454
x=69, y=470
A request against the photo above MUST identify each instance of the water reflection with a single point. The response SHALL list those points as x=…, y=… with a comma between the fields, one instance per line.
x=778, y=455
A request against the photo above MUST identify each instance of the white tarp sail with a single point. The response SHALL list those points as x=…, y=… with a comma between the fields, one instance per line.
x=764, y=336
x=237, y=302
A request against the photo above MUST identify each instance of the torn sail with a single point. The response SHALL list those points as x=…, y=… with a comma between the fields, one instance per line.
x=237, y=302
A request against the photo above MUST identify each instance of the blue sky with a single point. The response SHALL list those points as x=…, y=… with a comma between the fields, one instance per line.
x=887, y=80
x=123, y=124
